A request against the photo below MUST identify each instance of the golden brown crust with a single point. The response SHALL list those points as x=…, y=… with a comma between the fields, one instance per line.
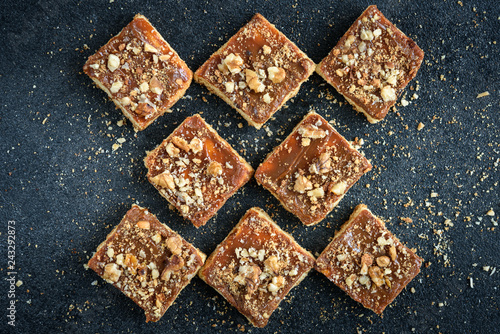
x=256, y=71
x=256, y=265
x=140, y=72
x=312, y=169
x=367, y=261
x=215, y=171
x=147, y=261
x=372, y=64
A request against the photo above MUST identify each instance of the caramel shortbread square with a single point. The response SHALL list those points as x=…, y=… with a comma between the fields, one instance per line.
x=369, y=263
x=196, y=170
x=147, y=261
x=256, y=71
x=372, y=64
x=140, y=72
x=312, y=169
x=256, y=266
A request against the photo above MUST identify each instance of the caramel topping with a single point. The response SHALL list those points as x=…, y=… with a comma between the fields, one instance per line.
x=265, y=61
x=372, y=63
x=324, y=169
x=196, y=170
x=141, y=71
x=256, y=266
x=133, y=256
x=365, y=249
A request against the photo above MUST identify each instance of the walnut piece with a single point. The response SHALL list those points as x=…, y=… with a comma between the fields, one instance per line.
x=214, y=169
x=131, y=263
x=350, y=280
x=277, y=283
x=311, y=131
x=266, y=49
x=383, y=261
x=388, y=93
x=229, y=87
x=302, y=184
x=113, y=62
x=322, y=165
x=196, y=145
x=276, y=74
x=181, y=143
x=366, y=35
x=272, y=263
x=144, y=109
x=366, y=261
x=144, y=224
x=376, y=275
x=116, y=86
x=164, y=180
x=172, y=150
x=233, y=63
x=155, y=85
x=111, y=272
x=149, y=48
x=173, y=265
x=316, y=193
x=253, y=81
x=392, y=252
x=339, y=188
x=174, y=244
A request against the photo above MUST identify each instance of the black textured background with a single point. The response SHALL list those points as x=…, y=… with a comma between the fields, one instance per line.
x=65, y=188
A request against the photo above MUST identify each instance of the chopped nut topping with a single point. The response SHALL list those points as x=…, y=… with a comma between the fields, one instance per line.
x=125, y=101
x=164, y=180
x=350, y=280
x=253, y=81
x=181, y=143
x=144, y=224
x=364, y=280
x=392, y=252
x=174, y=244
x=383, y=261
x=172, y=150
x=276, y=74
x=233, y=63
x=229, y=87
x=156, y=238
x=266, y=98
x=273, y=264
x=116, y=86
x=366, y=261
x=131, y=263
x=266, y=49
x=173, y=264
x=339, y=188
x=366, y=35
x=349, y=41
x=302, y=184
x=196, y=145
x=113, y=62
x=277, y=283
x=184, y=209
x=111, y=272
x=376, y=275
x=339, y=72
x=305, y=142
x=388, y=93
x=311, y=131
x=377, y=32
x=156, y=86
x=214, y=169
x=150, y=48
x=144, y=87
x=144, y=109
x=316, y=193
x=322, y=165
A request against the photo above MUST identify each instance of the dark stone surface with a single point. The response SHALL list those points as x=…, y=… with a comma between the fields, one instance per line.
x=65, y=188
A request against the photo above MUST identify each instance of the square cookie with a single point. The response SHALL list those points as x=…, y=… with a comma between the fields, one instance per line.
x=147, y=261
x=256, y=266
x=140, y=72
x=369, y=263
x=256, y=71
x=372, y=64
x=312, y=169
x=196, y=170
